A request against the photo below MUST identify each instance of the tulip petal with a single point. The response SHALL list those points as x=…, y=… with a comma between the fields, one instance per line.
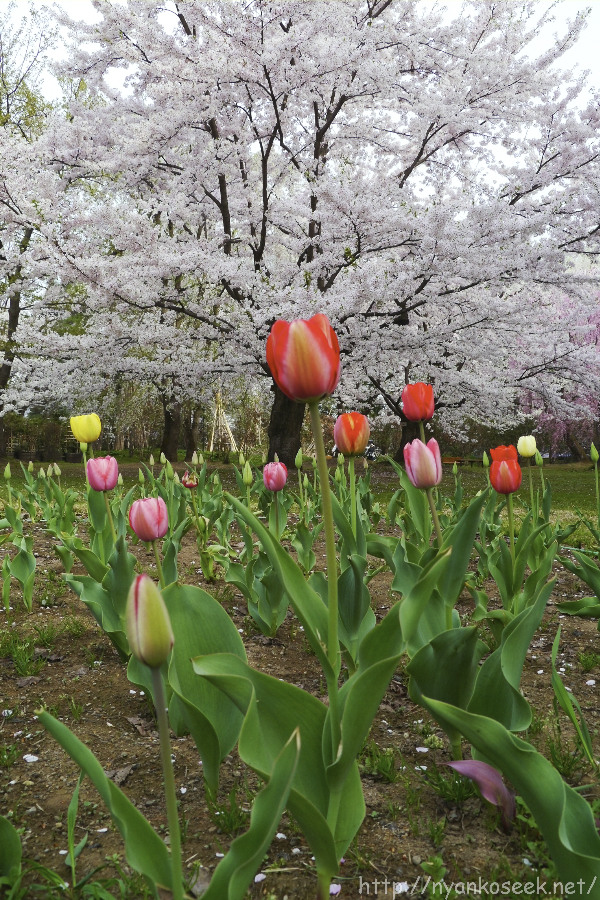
x=490, y=783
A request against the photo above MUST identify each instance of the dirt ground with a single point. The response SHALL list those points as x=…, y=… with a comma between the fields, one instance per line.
x=410, y=830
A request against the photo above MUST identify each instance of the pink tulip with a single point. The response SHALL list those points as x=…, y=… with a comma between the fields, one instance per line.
x=102, y=473
x=148, y=518
x=275, y=476
x=423, y=463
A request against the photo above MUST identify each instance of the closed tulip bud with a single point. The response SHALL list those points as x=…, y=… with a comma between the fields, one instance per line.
x=417, y=402
x=340, y=460
x=526, y=446
x=120, y=480
x=149, y=519
x=30, y=466
x=423, y=463
x=151, y=461
x=299, y=459
x=485, y=460
x=141, y=477
x=57, y=471
x=7, y=471
x=169, y=470
x=305, y=482
x=242, y=459
x=538, y=458
x=455, y=469
x=304, y=358
x=247, y=476
x=102, y=473
x=593, y=453
x=83, y=446
x=41, y=473
x=199, y=460
x=148, y=625
x=194, y=458
x=175, y=477
x=351, y=433
x=275, y=476
x=506, y=476
x=86, y=428
x=337, y=476
x=163, y=459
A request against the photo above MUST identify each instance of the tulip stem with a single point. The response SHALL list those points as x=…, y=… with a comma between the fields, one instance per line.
x=533, y=508
x=511, y=526
x=434, y=516
x=276, y=503
x=327, y=510
x=597, y=491
x=169, y=781
x=110, y=518
x=352, y=494
x=161, y=576
x=301, y=494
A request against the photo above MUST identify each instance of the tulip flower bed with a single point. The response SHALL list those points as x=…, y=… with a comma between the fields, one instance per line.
x=420, y=819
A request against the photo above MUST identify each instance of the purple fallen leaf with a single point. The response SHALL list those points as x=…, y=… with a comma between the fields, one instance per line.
x=492, y=788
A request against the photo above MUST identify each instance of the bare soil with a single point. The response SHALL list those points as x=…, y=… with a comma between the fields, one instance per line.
x=408, y=823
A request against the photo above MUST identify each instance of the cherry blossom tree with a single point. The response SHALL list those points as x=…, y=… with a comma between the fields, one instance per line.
x=423, y=176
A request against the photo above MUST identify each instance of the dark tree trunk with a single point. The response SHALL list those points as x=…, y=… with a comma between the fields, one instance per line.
x=285, y=427
x=172, y=427
x=410, y=431
x=191, y=430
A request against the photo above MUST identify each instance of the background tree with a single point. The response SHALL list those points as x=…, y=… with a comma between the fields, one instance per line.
x=424, y=177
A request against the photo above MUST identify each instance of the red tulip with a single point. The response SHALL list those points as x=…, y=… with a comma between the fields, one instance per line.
x=189, y=481
x=102, y=473
x=148, y=518
x=502, y=452
x=423, y=463
x=275, y=476
x=148, y=625
x=417, y=402
x=505, y=475
x=304, y=358
x=351, y=433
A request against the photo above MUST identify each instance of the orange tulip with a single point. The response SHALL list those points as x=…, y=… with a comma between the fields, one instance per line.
x=417, y=402
x=304, y=358
x=351, y=433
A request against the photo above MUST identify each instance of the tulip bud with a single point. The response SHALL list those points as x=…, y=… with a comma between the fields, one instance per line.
x=247, y=476
x=275, y=476
x=30, y=466
x=7, y=471
x=351, y=433
x=242, y=459
x=102, y=473
x=455, y=469
x=175, y=477
x=83, y=446
x=486, y=460
x=538, y=458
x=57, y=471
x=141, y=477
x=163, y=459
x=120, y=480
x=337, y=475
x=148, y=625
x=41, y=474
x=305, y=482
x=299, y=459
x=169, y=470
x=194, y=458
x=340, y=460
x=151, y=460
x=199, y=460
x=593, y=453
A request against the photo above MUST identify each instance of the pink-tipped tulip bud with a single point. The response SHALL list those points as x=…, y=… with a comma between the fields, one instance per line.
x=506, y=476
x=86, y=428
x=149, y=519
x=417, y=402
x=351, y=433
x=102, y=473
x=304, y=358
x=148, y=625
x=423, y=463
x=275, y=476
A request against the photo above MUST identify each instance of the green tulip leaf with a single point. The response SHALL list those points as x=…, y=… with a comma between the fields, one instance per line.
x=10, y=852
x=236, y=870
x=144, y=850
x=446, y=668
x=307, y=605
x=201, y=625
x=497, y=686
x=564, y=818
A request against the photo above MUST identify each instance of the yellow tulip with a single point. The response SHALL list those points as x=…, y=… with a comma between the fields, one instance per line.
x=526, y=445
x=86, y=428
